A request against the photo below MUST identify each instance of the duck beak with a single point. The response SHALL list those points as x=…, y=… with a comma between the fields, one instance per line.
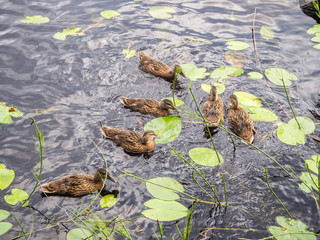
x=111, y=179
x=156, y=136
x=182, y=74
x=228, y=99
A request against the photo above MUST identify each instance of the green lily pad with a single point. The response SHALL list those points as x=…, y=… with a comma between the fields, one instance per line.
x=261, y=114
x=162, y=192
x=290, y=230
x=310, y=181
x=192, y=72
x=306, y=124
x=312, y=164
x=232, y=17
x=317, y=46
x=177, y=102
x=18, y=195
x=161, y=12
x=316, y=38
x=164, y=210
x=207, y=88
x=108, y=14
x=267, y=32
x=4, y=214
x=248, y=99
x=37, y=19
x=205, y=156
x=5, y=116
x=290, y=134
x=237, y=45
x=108, y=201
x=129, y=54
x=79, y=233
x=6, y=177
x=74, y=31
x=224, y=72
x=314, y=29
x=275, y=75
x=168, y=128
x=14, y=112
x=255, y=75
x=5, y=227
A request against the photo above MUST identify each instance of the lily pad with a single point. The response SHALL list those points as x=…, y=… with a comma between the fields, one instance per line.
x=232, y=17
x=37, y=19
x=236, y=58
x=79, y=233
x=177, y=102
x=290, y=134
x=108, y=14
x=276, y=75
x=314, y=29
x=4, y=214
x=108, y=201
x=317, y=46
x=74, y=31
x=314, y=163
x=290, y=229
x=255, y=75
x=267, y=32
x=310, y=181
x=192, y=72
x=6, y=177
x=316, y=38
x=5, y=116
x=163, y=192
x=248, y=99
x=129, y=54
x=224, y=72
x=164, y=210
x=168, y=128
x=205, y=156
x=261, y=114
x=6, y=112
x=5, y=227
x=161, y=12
x=207, y=88
x=18, y=195
x=237, y=45
x=306, y=124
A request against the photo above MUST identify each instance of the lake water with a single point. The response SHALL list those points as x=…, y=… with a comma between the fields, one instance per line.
x=70, y=86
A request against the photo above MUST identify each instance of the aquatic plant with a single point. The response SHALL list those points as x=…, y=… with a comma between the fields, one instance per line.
x=237, y=45
x=6, y=112
x=161, y=12
x=37, y=19
x=192, y=72
x=74, y=31
x=266, y=32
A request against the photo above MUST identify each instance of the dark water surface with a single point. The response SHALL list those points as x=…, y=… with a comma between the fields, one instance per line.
x=70, y=86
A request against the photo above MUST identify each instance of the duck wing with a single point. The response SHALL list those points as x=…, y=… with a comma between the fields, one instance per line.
x=213, y=111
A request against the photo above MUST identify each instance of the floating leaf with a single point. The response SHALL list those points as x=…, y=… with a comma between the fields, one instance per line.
x=237, y=45
x=5, y=116
x=255, y=75
x=266, y=32
x=162, y=192
x=18, y=195
x=314, y=29
x=177, y=102
x=236, y=58
x=290, y=230
x=108, y=201
x=306, y=124
x=192, y=72
x=4, y=214
x=168, y=128
x=4, y=227
x=223, y=72
x=316, y=38
x=161, y=12
x=205, y=156
x=232, y=17
x=6, y=177
x=261, y=114
x=207, y=88
x=108, y=14
x=6, y=112
x=248, y=99
x=312, y=164
x=37, y=19
x=309, y=181
x=79, y=233
x=74, y=31
x=130, y=53
x=164, y=210
x=290, y=134
x=317, y=46
x=276, y=75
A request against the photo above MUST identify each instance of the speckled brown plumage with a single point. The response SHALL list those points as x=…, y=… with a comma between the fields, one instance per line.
x=129, y=140
x=156, y=67
x=213, y=108
x=77, y=185
x=240, y=120
x=149, y=106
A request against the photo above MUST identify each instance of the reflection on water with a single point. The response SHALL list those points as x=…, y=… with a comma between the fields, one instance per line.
x=70, y=86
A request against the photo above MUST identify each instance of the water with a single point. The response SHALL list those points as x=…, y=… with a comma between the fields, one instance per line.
x=70, y=86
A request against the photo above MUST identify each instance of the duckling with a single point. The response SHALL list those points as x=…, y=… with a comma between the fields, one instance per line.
x=129, y=140
x=240, y=120
x=157, y=68
x=149, y=105
x=213, y=108
x=78, y=184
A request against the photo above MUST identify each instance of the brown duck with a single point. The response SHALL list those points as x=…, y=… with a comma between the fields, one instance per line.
x=240, y=120
x=129, y=140
x=213, y=108
x=149, y=106
x=78, y=184
x=157, y=68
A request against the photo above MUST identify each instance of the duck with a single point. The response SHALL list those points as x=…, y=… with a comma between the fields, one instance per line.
x=131, y=141
x=157, y=68
x=213, y=108
x=240, y=120
x=149, y=105
x=77, y=185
